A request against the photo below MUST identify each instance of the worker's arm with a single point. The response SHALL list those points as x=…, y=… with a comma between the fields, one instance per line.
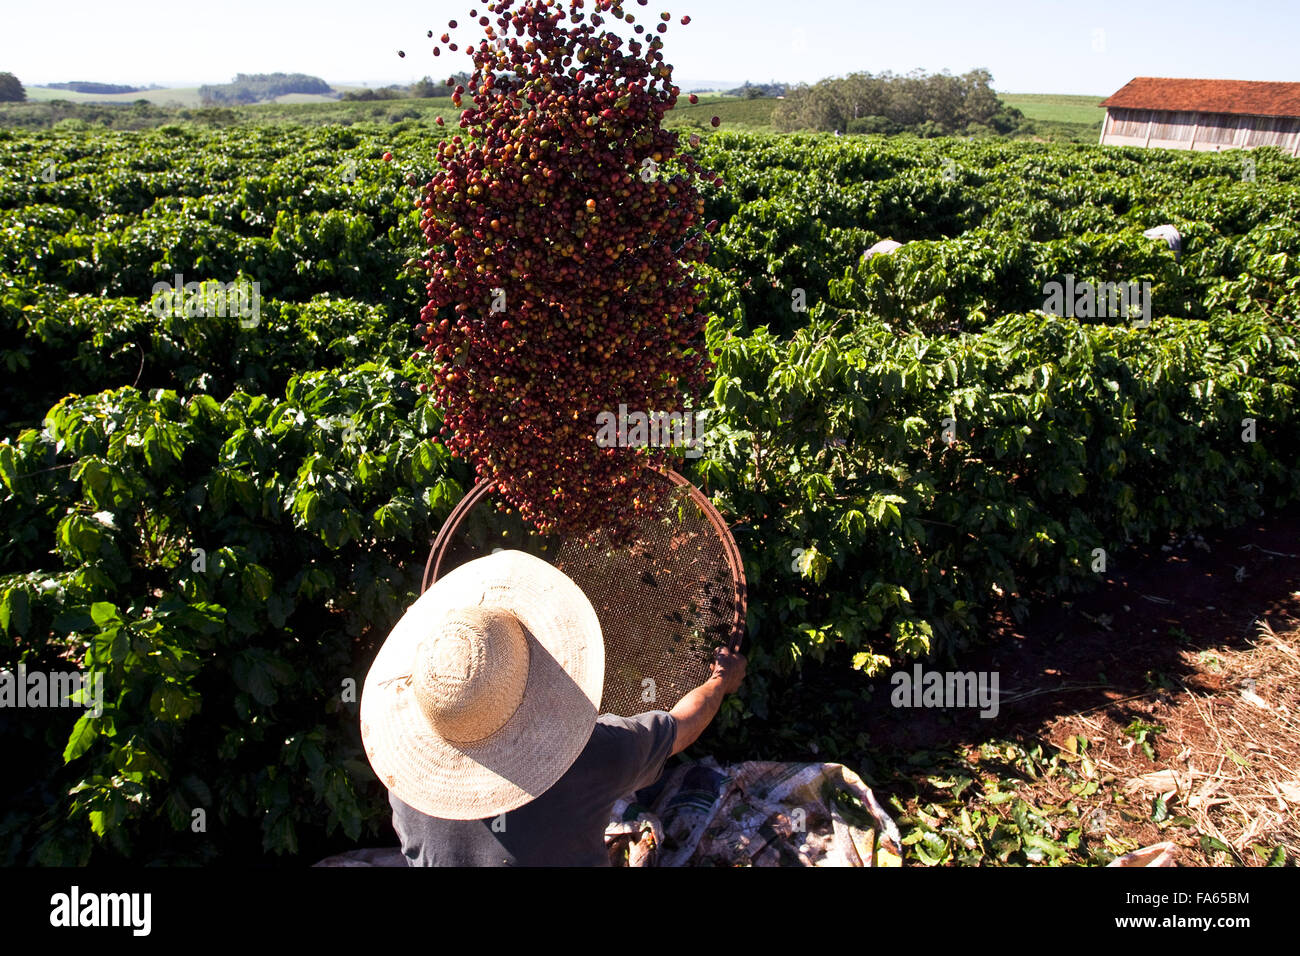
x=697, y=709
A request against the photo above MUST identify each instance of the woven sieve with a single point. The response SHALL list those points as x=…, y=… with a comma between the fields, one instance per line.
x=667, y=596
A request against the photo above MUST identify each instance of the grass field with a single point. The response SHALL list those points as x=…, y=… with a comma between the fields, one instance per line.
x=1072, y=118
x=172, y=96
x=306, y=98
x=307, y=111
x=1059, y=116
x=179, y=95
x=1054, y=108
x=735, y=113
x=1049, y=109
x=322, y=111
x=316, y=110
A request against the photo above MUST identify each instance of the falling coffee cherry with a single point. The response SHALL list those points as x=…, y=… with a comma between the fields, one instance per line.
x=716, y=121
x=402, y=54
x=510, y=389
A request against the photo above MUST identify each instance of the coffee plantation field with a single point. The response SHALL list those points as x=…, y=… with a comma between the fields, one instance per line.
x=224, y=515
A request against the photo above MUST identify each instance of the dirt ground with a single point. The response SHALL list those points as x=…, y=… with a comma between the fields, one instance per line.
x=1172, y=694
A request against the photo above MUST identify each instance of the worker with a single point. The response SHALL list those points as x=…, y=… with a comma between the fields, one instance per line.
x=480, y=716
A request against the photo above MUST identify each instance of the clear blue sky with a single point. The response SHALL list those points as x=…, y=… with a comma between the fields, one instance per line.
x=1066, y=46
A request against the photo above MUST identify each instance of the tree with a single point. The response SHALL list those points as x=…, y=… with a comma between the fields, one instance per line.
x=930, y=105
x=426, y=88
x=258, y=87
x=11, y=91
x=874, y=124
x=1008, y=120
x=382, y=93
x=979, y=103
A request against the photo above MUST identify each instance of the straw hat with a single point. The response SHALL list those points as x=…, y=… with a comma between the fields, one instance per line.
x=486, y=691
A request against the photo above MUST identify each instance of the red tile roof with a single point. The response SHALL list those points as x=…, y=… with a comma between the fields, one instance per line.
x=1241, y=97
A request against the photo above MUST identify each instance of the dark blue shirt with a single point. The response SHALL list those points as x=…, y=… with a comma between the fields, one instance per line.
x=565, y=826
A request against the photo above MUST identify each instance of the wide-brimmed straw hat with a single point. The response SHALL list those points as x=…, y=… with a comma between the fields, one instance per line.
x=486, y=691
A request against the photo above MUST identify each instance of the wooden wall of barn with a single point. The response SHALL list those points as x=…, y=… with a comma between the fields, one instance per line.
x=1203, y=131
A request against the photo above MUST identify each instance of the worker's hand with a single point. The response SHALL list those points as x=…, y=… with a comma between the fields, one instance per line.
x=694, y=711
x=729, y=667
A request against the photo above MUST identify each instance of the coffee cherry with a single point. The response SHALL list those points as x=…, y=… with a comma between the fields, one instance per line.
x=561, y=277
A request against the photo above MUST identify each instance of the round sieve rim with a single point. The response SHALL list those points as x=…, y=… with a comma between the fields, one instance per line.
x=447, y=534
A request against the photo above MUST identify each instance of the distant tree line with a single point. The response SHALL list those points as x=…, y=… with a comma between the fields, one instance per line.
x=754, y=91
x=99, y=89
x=424, y=89
x=378, y=93
x=937, y=104
x=258, y=87
x=11, y=91
x=428, y=87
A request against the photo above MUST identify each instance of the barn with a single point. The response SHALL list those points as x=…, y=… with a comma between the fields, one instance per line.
x=1203, y=114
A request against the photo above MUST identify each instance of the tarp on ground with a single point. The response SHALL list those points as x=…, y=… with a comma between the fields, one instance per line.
x=757, y=813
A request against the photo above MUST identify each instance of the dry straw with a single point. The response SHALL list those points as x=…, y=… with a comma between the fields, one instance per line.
x=486, y=691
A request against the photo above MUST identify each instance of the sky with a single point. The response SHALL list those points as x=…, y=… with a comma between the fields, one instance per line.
x=1030, y=46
